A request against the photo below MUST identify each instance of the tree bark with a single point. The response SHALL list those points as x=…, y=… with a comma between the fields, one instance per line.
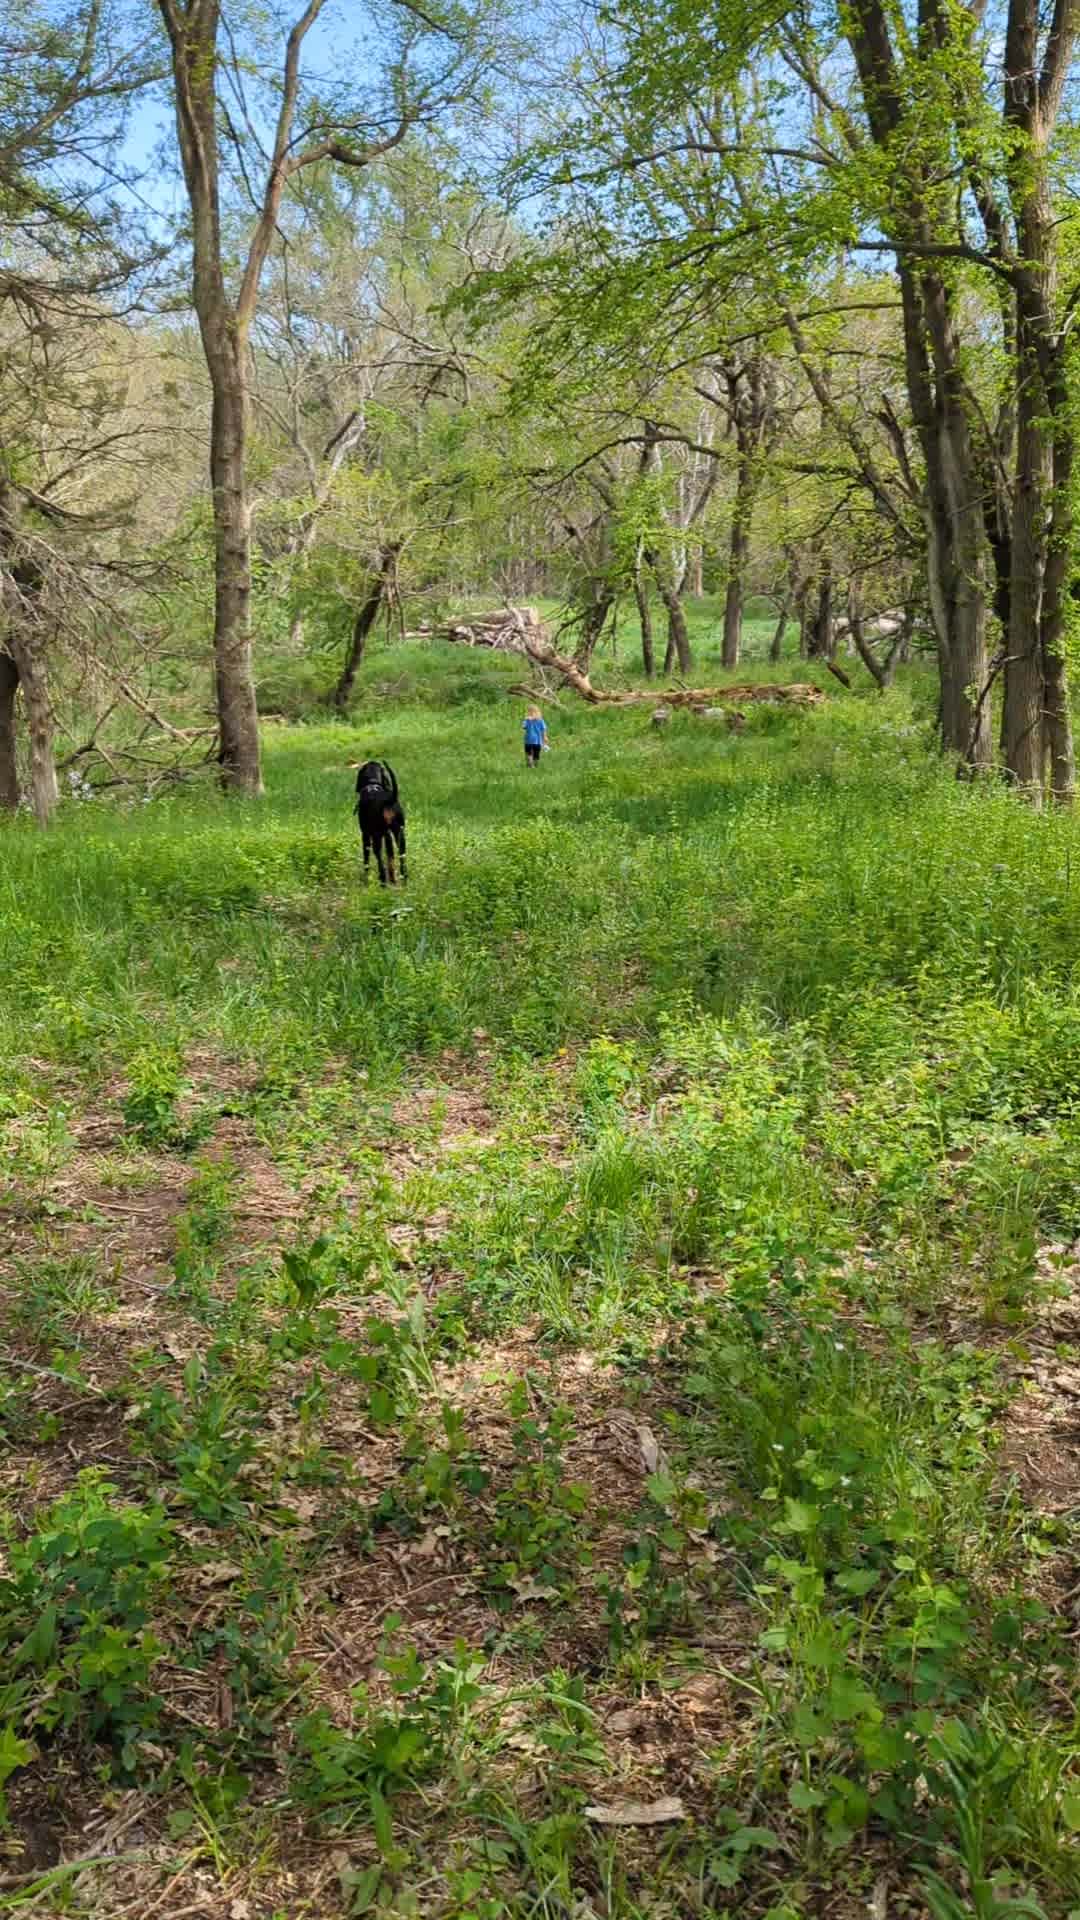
x=750, y=412
x=956, y=542
x=365, y=620
x=822, y=637
x=739, y=543
x=882, y=671
x=940, y=406
x=678, y=640
x=1024, y=677
x=641, y=595
x=34, y=684
x=678, y=636
x=598, y=604
x=738, y=549
x=234, y=679
x=1058, y=716
x=1037, y=723
x=802, y=614
x=9, y=769
x=777, y=643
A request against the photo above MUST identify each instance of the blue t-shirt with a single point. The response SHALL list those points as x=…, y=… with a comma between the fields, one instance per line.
x=534, y=732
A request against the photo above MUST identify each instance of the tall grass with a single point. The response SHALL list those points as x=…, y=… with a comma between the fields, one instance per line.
x=823, y=865
x=781, y=1035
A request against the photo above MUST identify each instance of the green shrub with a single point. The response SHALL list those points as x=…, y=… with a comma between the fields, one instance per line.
x=75, y=1619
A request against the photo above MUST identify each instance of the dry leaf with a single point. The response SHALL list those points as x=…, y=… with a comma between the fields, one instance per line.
x=532, y=1590
x=629, y=1720
x=701, y=1691
x=528, y=1744
x=637, y=1813
x=652, y=1453
x=218, y=1573
x=878, y=1903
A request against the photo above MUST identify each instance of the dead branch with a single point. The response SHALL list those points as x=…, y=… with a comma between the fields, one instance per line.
x=520, y=630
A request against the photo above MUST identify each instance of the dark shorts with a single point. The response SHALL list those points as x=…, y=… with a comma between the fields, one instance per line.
x=532, y=754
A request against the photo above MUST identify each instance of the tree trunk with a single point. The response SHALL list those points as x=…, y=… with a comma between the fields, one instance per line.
x=882, y=671
x=641, y=595
x=1037, y=721
x=738, y=554
x=956, y=539
x=678, y=638
x=34, y=683
x=1059, y=731
x=238, y=720
x=822, y=638
x=224, y=328
x=940, y=406
x=802, y=614
x=365, y=620
x=1025, y=746
x=777, y=644
x=733, y=606
x=696, y=573
x=601, y=599
x=9, y=770
x=862, y=646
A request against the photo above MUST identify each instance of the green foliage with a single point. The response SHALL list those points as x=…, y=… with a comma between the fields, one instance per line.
x=674, y=1166
x=75, y=1619
x=395, y=1741
x=535, y=1535
x=155, y=1085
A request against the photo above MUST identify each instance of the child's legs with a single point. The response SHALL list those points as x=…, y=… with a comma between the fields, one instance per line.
x=532, y=754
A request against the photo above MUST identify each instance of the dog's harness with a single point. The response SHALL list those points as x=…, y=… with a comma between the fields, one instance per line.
x=382, y=788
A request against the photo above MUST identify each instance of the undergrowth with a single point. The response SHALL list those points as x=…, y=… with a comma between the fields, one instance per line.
x=680, y=1176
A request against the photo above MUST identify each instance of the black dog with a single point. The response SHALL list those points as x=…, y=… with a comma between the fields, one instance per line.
x=382, y=819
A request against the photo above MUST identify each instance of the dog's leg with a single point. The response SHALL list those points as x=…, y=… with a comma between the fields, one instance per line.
x=366, y=837
x=379, y=846
x=399, y=835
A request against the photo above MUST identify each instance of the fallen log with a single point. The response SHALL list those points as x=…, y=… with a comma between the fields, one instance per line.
x=521, y=630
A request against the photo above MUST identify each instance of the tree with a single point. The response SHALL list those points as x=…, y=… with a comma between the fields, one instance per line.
x=419, y=85
x=779, y=146
x=67, y=79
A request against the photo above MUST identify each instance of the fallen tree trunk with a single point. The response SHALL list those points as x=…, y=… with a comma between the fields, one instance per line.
x=520, y=630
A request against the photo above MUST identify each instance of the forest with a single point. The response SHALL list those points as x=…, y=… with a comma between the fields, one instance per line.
x=542, y=1384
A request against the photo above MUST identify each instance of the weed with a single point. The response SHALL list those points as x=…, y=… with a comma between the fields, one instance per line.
x=202, y=1229
x=393, y=1743
x=75, y=1615
x=782, y=1091
x=534, y=1526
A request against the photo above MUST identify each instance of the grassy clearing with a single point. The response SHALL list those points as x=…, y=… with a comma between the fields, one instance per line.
x=595, y=1331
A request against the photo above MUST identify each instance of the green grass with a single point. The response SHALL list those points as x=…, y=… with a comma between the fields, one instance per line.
x=444, y=1324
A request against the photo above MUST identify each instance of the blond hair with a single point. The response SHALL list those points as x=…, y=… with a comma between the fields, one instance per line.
x=533, y=713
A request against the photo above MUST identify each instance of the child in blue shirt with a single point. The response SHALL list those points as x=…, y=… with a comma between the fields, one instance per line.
x=535, y=735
